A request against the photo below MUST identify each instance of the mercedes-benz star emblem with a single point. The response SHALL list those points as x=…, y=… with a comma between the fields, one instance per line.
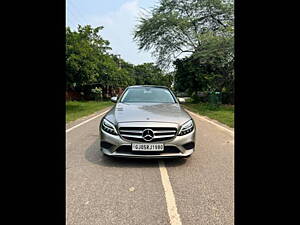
x=148, y=134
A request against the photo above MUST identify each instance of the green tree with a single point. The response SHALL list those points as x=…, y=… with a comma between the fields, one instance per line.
x=151, y=74
x=85, y=50
x=177, y=26
x=200, y=29
x=89, y=65
x=209, y=69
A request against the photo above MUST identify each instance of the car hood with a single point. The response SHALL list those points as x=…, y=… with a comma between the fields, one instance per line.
x=141, y=112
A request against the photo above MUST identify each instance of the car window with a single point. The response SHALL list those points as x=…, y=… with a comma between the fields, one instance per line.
x=146, y=94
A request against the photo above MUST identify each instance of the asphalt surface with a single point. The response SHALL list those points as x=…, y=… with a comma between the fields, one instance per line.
x=100, y=190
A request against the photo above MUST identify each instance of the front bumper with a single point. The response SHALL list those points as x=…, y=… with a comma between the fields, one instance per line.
x=116, y=142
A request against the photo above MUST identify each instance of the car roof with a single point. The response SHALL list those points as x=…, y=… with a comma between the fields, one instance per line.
x=157, y=86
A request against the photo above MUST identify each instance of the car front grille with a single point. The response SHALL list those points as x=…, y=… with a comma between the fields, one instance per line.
x=136, y=133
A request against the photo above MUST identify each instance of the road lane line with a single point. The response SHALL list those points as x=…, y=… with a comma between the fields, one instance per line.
x=203, y=118
x=86, y=121
x=169, y=194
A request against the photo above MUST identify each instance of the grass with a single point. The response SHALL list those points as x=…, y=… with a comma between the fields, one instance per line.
x=222, y=113
x=78, y=109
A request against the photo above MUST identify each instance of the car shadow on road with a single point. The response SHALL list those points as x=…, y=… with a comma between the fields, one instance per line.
x=94, y=155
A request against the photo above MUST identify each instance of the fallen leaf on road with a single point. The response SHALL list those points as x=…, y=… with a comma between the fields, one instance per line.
x=131, y=189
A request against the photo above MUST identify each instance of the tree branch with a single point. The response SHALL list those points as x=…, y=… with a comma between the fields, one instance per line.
x=181, y=53
x=219, y=21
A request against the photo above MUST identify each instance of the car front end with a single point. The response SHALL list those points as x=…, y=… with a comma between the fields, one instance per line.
x=147, y=130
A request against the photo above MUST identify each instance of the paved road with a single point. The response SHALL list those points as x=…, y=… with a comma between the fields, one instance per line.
x=130, y=191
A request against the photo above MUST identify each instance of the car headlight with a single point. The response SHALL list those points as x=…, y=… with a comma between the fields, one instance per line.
x=108, y=127
x=186, y=128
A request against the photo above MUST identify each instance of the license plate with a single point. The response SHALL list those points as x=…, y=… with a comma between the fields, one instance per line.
x=148, y=147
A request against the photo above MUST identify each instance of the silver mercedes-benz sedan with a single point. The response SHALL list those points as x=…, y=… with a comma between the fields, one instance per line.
x=147, y=122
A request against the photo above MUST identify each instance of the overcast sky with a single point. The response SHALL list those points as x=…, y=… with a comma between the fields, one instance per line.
x=118, y=18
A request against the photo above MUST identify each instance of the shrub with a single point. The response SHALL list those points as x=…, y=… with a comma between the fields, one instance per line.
x=227, y=98
x=195, y=98
x=97, y=93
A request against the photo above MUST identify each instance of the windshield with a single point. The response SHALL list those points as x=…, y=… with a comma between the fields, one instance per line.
x=148, y=94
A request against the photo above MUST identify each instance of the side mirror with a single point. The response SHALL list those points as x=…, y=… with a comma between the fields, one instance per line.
x=181, y=100
x=114, y=99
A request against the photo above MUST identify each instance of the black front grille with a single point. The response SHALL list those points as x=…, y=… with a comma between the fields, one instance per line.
x=127, y=149
x=135, y=133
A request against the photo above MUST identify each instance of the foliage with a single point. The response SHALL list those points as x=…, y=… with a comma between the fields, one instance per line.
x=150, y=74
x=88, y=63
x=196, y=98
x=200, y=29
x=97, y=91
x=84, y=53
x=210, y=69
x=176, y=26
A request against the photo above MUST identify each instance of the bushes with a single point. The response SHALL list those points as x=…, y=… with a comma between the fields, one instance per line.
x=196, y=98
x=97, y=93
x=199, y=97
x=226, y=97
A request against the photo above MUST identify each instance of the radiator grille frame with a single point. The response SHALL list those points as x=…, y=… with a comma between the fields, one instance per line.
x=135, y=133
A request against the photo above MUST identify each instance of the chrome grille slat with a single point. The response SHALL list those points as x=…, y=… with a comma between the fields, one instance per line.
x=164, y=136
x=164, y=131
x=132, y=131
x=135, y=133
x=134, y=136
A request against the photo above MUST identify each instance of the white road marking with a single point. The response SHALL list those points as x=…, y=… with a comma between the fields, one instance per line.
x=170, y=198
x=86, y=121
x=203, y=118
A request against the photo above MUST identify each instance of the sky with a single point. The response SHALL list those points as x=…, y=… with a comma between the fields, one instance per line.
x=119, y=17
